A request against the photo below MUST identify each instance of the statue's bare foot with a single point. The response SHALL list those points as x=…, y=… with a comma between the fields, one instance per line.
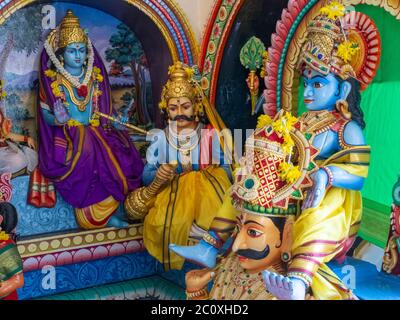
x=117, y=222
x=284, y=288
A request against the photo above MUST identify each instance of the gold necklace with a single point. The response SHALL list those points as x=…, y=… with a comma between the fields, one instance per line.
x=234, y=283
x=318, y=121
x=81, y=104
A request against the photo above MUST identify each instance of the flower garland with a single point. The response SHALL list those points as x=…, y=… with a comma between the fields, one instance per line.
x=73, y=80
x=334, y=10
x=282, y=127
x=346, y=50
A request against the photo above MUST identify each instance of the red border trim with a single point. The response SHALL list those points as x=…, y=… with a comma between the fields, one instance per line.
x=220, y=50
x=207, y=34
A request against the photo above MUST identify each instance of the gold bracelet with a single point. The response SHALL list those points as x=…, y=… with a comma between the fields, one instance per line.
x=202, y=293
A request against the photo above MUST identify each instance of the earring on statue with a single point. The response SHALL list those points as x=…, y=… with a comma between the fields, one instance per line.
x=62, y=61
x=286, y=256
x=343, y=107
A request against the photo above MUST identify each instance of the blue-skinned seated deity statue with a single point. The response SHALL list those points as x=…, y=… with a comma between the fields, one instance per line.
x=92, y=165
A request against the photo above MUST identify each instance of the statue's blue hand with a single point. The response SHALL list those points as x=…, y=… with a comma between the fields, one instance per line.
x=60, y=112
x=317, y=192
x=284, y=288
x=123, y=120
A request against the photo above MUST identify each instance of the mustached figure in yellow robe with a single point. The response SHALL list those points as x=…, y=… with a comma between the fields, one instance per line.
x=186, y=175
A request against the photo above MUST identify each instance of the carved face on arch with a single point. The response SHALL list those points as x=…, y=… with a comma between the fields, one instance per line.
x=322, y=92
x=75, y=55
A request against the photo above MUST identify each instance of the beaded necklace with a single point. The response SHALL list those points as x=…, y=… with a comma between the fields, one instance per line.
x=234, y=283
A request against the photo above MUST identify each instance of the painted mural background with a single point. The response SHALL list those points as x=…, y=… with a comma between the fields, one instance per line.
x=21, y=43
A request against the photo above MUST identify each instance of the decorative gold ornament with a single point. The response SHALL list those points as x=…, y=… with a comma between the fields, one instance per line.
x=139, y=202
x=343, y=107
x=70, y=31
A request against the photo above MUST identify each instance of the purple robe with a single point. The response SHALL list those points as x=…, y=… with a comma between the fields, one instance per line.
x=87, y=164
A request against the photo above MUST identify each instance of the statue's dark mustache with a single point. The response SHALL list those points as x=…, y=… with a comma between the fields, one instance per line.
x=253, y=254
x=182, y=117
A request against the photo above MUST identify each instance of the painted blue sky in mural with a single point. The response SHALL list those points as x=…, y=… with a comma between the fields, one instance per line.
x=99, y=25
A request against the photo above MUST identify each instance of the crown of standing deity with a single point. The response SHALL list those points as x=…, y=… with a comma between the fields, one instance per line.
x=326, y=48
x=180, y=84
x=344, y=43
x=70, y=31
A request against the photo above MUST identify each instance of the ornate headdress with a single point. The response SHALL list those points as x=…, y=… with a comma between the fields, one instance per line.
x=71, y=31
x=267, y=181
x=181, y=83
x=347, y=44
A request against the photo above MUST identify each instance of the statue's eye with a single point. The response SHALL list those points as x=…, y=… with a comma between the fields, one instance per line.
x=253, y=233
x=318, y=85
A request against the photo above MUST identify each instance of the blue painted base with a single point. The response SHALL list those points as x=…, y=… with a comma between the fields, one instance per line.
x=36, y=221
x=176, y=276
x=39, y=283
x=150, y=288
x=366, y=281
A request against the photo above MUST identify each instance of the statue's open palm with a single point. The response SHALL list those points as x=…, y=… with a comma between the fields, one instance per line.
x=317, y=192
x=284, y=288
x=60, y=112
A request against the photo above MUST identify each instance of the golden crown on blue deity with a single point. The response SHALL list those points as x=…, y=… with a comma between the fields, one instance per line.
x=70, y=31
x=327, y=48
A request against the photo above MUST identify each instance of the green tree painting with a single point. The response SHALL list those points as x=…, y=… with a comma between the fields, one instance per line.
x=21, y=32
x=126, y=50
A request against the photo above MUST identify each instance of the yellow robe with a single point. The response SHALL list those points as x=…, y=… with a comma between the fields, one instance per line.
x=193, y=197
x=320, y=233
